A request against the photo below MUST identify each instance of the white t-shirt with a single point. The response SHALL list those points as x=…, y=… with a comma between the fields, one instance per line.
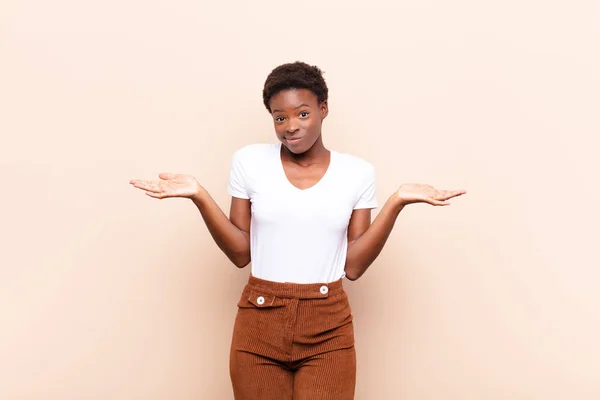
x=296, y=235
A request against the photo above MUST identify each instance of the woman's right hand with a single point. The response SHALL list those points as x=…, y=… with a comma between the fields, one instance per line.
x=169, y=185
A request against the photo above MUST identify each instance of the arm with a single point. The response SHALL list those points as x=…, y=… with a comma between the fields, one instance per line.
x=232, y=234
x=366, y=240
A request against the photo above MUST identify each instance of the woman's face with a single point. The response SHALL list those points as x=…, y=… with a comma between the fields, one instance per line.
x=297, y=116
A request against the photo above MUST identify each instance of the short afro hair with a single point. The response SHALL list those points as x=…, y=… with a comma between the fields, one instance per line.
x=297, y=75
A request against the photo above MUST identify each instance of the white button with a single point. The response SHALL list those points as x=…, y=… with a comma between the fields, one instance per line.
x=260, y=300
x=324, y=289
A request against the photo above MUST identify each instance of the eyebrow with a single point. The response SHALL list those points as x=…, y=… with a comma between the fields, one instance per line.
x=301, y=105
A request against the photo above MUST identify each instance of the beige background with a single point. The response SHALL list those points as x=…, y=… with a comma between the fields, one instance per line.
x=106, y=293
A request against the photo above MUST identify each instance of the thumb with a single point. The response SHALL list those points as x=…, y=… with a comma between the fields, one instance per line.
x=166, y=175
x=435, y=202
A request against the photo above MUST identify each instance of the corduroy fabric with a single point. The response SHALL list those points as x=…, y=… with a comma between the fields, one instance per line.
x=293, y=341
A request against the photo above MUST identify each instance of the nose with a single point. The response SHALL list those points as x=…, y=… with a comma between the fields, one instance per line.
x=292, y=126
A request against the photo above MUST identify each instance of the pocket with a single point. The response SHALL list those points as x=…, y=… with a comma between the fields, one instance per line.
x=258, y=299
x=261, y=323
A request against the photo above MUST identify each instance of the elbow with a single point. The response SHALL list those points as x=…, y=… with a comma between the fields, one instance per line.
x=355, y=270
x=240, y=260
x=352, y=275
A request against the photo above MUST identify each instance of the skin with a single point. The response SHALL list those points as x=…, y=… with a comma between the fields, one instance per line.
x=297, y=114
x=297, y=118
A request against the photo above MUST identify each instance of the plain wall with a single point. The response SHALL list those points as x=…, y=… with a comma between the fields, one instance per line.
x=106, y=293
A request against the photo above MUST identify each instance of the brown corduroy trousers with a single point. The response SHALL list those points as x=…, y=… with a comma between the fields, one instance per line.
x=293, y=341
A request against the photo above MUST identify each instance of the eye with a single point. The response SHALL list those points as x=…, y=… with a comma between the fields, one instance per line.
x=304, y=114
x=279, y=119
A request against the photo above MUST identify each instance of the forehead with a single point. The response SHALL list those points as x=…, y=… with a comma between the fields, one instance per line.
x=292, y=98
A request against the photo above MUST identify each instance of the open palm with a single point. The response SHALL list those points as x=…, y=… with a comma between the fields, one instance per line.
x=169, y=185
x=419, y=193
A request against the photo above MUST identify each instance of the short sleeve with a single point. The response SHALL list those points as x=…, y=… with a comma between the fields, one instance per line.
x=367, y=197
x=237, y=177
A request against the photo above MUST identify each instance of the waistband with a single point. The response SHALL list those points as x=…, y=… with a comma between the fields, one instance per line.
x=297, y=290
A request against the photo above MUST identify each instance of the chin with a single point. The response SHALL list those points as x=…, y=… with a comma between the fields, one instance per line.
x=296, y=150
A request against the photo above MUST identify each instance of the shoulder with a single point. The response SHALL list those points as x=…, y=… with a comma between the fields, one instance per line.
x=355, y=164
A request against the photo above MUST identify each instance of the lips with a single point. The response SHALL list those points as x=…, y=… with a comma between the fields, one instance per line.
x=293, y=140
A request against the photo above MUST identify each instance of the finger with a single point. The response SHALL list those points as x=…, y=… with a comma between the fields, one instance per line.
x=139, y=184
x=149, y=186
x=441, y=195
x=457, y=193
x=447, y=194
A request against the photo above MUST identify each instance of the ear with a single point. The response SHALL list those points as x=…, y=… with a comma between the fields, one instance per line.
x=324, y=109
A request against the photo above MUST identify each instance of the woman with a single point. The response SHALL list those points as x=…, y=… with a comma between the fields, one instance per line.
x=302, y=214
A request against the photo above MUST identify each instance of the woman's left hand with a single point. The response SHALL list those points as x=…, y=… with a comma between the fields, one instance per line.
x=419, y=193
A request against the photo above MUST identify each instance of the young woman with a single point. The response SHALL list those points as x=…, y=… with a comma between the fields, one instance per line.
x=302, y=214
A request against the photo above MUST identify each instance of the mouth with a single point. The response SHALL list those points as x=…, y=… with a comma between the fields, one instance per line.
x=293, y=140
